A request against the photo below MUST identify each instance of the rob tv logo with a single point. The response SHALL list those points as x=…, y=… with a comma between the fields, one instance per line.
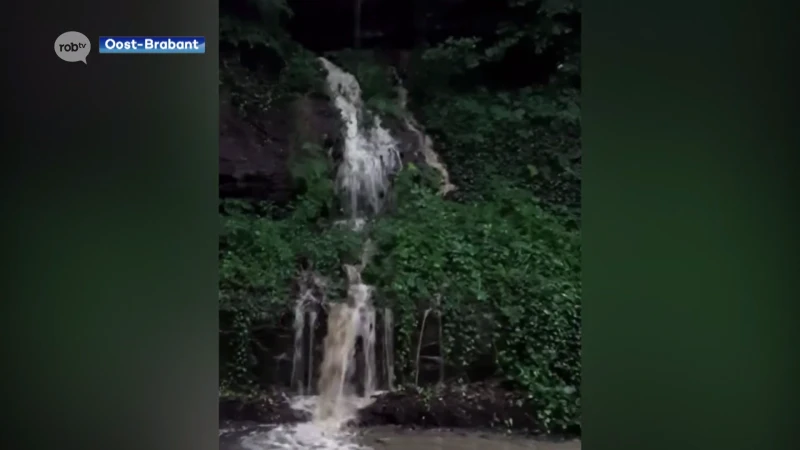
x=73, y=46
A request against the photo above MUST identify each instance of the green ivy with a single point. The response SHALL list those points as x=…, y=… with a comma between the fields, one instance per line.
x=258, y=91
x=259, y=259
x=529, y=137
x=506, y=273
x=499, y=267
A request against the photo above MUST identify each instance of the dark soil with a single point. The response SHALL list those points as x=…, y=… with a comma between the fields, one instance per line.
x=475, y=406
x=267, y=407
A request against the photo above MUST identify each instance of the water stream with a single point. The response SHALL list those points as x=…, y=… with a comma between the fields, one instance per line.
x=332, y=389
x=371, y=155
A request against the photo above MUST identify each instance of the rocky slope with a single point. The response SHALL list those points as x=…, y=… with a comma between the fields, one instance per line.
x=258, y=142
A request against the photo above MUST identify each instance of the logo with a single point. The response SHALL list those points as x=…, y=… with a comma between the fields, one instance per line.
x=73, y=46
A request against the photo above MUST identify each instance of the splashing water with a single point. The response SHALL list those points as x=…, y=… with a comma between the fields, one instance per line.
x=302, y=436
x=370, y=158
x=370, y=154
x=336, y=403
x=310, y=300
x=346, y=322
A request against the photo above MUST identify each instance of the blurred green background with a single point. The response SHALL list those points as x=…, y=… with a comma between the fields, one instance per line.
x=110, y=199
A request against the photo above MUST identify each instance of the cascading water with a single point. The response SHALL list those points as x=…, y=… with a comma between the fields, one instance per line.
x=347, y=322
x=370, y=157
x=311, y=298
x=299, y=326
x=370, y=154
x=312, y=324
x=336, y=403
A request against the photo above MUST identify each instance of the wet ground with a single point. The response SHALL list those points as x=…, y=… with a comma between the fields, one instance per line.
x=250, y=436
x=476, y=416
x=477, y=406
x=392, y=438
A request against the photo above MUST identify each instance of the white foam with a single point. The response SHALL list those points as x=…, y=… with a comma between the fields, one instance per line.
x=371, y=155
x=303, y=436
x=329, y=434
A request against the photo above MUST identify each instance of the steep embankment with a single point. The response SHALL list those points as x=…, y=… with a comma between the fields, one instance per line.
x=483, y=289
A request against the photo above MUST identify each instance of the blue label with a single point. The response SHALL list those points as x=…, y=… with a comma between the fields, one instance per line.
x=152, y=44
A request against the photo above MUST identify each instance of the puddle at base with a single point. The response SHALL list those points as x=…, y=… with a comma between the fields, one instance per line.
x=314, y=436
x=307, y=435
x=391, y=438
x=317, y=434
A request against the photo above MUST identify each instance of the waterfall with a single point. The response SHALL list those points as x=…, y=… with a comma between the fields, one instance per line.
x=297, y=356
x=371, y=154
x=370, y=158
x=312, y=324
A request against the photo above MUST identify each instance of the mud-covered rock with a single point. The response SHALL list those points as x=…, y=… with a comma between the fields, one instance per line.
x=272, y=406
x=475, y=406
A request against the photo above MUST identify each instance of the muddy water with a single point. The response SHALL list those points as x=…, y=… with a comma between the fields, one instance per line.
x=242, y=436
x=397, y=439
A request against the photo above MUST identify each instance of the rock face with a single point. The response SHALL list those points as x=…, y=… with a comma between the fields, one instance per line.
x=256, y=148
x=254, y=151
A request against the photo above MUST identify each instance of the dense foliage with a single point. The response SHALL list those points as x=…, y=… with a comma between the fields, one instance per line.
x=507, y=273
x=500, y=261
x=505, y=276
x=528, y=135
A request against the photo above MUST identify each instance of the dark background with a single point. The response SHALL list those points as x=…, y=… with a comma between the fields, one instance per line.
x=110, y=206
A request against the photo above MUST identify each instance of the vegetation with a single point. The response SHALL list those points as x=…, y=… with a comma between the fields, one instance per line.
x=500, y=260
x=279, y=68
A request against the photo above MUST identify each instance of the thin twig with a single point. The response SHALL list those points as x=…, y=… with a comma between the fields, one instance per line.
x=441, y=348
